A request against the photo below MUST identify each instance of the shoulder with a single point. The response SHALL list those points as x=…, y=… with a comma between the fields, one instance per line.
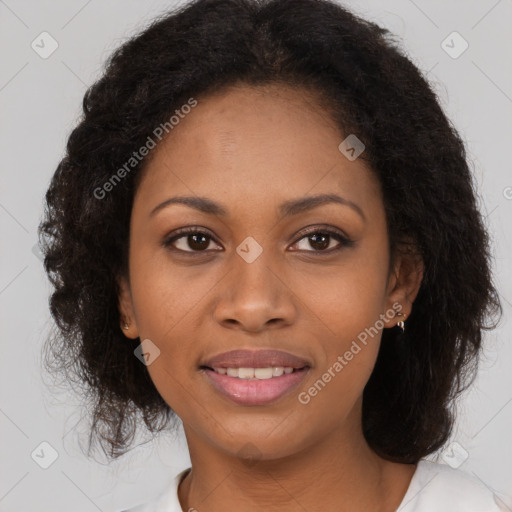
x=442, y=488
x=166, y=501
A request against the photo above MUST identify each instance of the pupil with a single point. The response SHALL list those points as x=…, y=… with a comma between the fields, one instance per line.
x=199, y=245
x=323, y=244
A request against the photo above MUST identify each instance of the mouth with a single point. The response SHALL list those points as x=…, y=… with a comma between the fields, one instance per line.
x=254, y=377
x=254, y=386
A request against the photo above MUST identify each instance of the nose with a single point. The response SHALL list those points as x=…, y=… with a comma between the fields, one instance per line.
x=254, y=297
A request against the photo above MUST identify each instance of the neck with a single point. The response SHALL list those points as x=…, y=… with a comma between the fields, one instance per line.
x=339, y=472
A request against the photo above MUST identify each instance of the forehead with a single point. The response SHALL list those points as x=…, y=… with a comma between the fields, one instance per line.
x=255, y=144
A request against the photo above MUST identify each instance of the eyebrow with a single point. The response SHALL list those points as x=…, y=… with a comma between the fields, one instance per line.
x=286, y=209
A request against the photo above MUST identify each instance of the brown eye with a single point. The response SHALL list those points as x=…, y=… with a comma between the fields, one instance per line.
x=319, y=241
x=322, y=241
x=189, y=240
x=197, y=242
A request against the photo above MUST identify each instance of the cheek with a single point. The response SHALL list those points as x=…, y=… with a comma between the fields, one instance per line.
x=345, y=305
x=338, y=381
x=165, y=293
x=344, y=299
x=163, y=304
x=174, y=370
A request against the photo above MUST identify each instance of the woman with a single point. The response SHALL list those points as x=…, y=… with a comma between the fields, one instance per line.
x=266, y=226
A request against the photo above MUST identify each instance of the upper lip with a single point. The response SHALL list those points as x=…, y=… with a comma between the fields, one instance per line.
x=255, y=359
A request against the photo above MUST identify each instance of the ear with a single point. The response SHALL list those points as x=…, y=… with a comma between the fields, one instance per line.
x=126, y=312
x=404, y=281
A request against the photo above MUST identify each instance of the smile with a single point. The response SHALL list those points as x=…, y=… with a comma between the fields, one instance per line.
x=255, y=386
x=255, y=373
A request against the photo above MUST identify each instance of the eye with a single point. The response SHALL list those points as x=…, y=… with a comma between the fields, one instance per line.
x=194, y=240
x=321, y=240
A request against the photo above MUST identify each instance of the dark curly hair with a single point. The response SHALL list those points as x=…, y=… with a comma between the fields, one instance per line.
x=370, y=88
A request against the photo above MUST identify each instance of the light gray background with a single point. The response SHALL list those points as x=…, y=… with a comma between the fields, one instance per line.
x=40, y=100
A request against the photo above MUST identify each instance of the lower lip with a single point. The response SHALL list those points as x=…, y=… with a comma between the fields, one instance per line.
x=255, y=392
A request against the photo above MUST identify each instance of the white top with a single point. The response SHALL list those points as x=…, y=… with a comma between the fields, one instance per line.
x=434, y=487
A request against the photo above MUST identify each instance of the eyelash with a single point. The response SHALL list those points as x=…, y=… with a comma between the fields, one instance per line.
x=195, y=230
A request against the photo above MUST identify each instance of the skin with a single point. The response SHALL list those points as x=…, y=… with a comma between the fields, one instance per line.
x=251, y=149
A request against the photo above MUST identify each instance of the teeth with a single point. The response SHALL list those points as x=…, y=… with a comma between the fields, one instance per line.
x=244, y=373
x=277, y=371
x=232, y=372
x=255, y=373
x=263, y=373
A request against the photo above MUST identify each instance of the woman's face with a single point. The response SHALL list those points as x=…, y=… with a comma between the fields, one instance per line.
x=256, y=276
